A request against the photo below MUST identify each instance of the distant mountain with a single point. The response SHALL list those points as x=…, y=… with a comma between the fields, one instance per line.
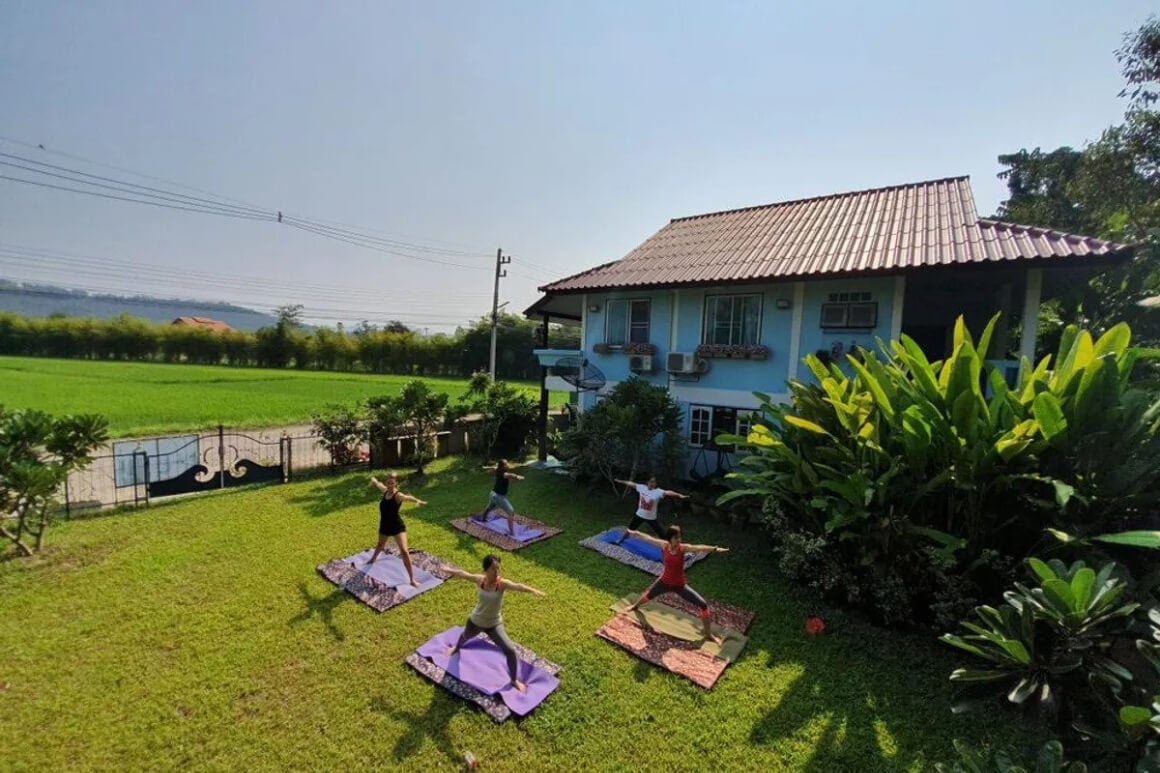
x=34, y=300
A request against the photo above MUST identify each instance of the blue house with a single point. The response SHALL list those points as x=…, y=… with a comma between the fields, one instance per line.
x=717, y=306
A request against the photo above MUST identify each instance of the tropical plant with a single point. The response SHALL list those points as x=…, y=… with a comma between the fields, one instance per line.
x=1048, y=759
x=1071, y=648
x=914, y=473
x=37, y=452
x=416, y=411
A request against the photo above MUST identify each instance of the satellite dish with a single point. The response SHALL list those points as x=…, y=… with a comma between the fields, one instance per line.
x=580, y=373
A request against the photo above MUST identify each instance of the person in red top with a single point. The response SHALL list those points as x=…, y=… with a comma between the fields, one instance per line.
x=672, y=579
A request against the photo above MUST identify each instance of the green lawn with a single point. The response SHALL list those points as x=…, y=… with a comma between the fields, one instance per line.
x=153, y=398
x=198, y=635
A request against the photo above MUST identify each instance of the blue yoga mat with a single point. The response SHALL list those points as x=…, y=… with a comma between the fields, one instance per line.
x=633, y=545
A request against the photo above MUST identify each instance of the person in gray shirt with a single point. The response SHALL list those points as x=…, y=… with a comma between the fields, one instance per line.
x=487, y=617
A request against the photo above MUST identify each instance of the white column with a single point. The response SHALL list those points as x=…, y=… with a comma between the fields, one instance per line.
x=674, y=320
x=896, y=308
x=1031, y=313
x=584, y=323
x=795, y=330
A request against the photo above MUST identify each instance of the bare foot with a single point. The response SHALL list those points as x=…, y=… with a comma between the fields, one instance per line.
x=414, y=583
x=715, y=639
x=452, y=652
x=520, y=686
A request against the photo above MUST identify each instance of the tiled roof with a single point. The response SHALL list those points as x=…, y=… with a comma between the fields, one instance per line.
x=210, y=324
x=885, y=229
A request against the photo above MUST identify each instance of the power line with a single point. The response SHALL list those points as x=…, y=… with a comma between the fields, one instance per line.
x=223, y=202
x=123, y=198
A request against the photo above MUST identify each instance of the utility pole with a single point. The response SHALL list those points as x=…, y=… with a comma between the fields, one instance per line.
x=500, y=261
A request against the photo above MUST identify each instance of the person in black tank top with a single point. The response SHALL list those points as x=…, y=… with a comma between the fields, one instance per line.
x=391, y=523
x=498, y=500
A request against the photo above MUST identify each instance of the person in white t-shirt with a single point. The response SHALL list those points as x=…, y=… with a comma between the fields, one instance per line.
x=646, y=509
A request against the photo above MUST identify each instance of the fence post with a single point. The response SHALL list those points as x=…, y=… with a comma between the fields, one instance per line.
x=289, y=458
x=136, y=499
x=222, y=455
x=67, y=503
x=282, y=456
x=145, y=457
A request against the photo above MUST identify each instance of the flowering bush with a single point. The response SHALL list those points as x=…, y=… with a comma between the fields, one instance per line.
x=629, y=348
x=738, y=351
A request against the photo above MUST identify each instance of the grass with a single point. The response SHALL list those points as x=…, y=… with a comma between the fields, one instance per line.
x=154, y=398
x=198, y=635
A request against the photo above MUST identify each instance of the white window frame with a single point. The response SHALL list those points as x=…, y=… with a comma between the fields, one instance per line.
x=847, y=301
x=745, y=421
x=706, y=326
x=628, y=326
x=700, y=415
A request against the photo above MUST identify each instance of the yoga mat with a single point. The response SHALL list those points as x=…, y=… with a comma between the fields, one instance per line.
x=498, y=536
x=634, y=545
x=603, y=543
x=376, y=594
x=499, y=525
x=482, y=665
x=678, y=624
x=390, y=571
x=670, y=646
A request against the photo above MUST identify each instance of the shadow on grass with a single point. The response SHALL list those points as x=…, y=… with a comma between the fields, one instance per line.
x=883, y=713
x=336, y=494
x=321, y=606
x=432, y=723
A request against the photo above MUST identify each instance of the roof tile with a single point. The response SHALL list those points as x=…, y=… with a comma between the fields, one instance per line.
x=885, y=229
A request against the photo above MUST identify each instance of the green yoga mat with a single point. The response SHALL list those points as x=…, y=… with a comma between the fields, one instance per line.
x=680, y=625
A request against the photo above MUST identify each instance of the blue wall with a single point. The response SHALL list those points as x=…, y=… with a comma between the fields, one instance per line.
x=818, y=292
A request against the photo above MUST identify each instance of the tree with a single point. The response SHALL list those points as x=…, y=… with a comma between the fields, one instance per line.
x=509, y=416
x=289, y=316
x=395, y=326
x=37, y=452
x=416, y=411
x=1110, y=189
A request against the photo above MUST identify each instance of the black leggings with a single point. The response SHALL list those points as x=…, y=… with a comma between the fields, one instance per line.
x=653, y=523
x=659, y=588
x=497, y=635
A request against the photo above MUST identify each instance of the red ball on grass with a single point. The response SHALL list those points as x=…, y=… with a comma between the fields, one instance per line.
x=815, y=626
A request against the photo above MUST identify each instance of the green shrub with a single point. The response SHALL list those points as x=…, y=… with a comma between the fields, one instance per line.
x=925, y=487
x=635, y=429
x=341, y=430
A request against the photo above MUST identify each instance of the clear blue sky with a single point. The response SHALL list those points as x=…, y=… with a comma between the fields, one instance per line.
x=564, y=132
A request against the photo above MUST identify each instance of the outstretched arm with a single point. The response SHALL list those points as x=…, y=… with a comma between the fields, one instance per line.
x=411, y=499
x=522, y=588
x=627, y=482
x=460, y=574
x=646, y=537
x=378, y=484
x=676, y=495
x=705, y=549
x=513, y=476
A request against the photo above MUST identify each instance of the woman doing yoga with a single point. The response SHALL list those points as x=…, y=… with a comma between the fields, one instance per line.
x=487, y=617
x=391, y=523
x=672, y=579
x=499, y=490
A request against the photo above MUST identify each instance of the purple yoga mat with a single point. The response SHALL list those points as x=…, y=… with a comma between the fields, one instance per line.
x=499, y=525
x=482, y=665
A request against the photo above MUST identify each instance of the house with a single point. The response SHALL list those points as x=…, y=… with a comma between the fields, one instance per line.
x=720, y=305
x=213, y=325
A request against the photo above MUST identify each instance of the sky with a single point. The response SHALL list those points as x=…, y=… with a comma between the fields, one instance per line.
x=563, y=133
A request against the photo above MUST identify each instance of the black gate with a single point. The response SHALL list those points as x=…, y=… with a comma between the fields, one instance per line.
x=226, y=460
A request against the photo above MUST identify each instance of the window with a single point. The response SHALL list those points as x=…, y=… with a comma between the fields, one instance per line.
x=708, y=421
x=745, y=422
x=628, y=322
x=849, y=311
x=700, y=425
x=732, y=319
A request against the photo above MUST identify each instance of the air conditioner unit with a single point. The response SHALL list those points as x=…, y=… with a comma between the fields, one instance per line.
x=640, y=363
x=682, y=362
